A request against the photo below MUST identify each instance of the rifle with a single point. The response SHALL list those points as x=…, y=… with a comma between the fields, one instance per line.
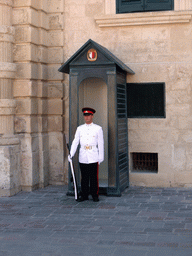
x=73, y=174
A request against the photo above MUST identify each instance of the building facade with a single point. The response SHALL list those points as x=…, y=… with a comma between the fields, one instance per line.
x=37, y=36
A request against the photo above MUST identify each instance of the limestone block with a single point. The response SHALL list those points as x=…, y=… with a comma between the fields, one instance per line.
x=44, y=142
x=27, y=106
x=182, y=79
x=44, y=5
x=183, y=179
x=157, y=124
x=27, y=124
x=146, y=73
x=187, y=136
x=133, y=124
x=55, y=5
x=189, y=149
x=26, y=3
x=50, y=106
x=51, y=90
x=7, y=107
x=151, y=180
x=24, y=88
x=43, y=37
x=55, y=55
x=56, y=166
x=10, y=169
x=7, y=70
x=43, y=72
x=29, y=168
x=92, y=9
x=181, y=84
x=184, y=122
x=77, y=10
x=7, y=34
x=22, y=52
x=55, y=141
x=179, y=157
x=50, y=123
x=178, y=97
x=7, y=2
x=180, y=37
x=149, y=135
x=44, y=54
x=42, y=107
x=55, y=123
x=29, y=164
x=55, y=90
x=6, y=52
x=29, y=142
x=110, y=7
x=55, y=107
x=6, y=124
x=43, y=20
x=55, y=38
x=53, y=73
x=26, y=16
x=42, y=124
x=55, y=21
x=189, y=163
x=42, y=89
x=181, y=5
x=27, y=34
x=6, y=89
x=43, y=169
x=39, y=54
x=27, y=71
x=5, y=14
x=178, y=110
x=163, y=149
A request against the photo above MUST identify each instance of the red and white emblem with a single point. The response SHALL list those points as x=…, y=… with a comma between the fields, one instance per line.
x=92, y=55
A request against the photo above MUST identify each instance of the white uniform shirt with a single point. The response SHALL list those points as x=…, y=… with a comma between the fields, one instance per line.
x=90, y=137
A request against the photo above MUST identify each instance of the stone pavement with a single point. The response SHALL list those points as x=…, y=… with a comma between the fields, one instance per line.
x=143, y=221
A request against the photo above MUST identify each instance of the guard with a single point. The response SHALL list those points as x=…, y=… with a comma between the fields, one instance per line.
x=91, y=154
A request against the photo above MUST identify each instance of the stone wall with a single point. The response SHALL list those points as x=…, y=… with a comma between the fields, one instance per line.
x=157, y=46
x=38, y=90
x=9, y=144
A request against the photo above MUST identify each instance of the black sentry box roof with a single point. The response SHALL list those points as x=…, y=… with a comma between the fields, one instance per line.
x=105, y=57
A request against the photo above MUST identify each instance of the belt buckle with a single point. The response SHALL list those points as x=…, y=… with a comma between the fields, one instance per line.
x=88, y=147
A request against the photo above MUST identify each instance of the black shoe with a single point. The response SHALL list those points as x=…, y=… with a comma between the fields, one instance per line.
x=81, y=199
x=95, y=199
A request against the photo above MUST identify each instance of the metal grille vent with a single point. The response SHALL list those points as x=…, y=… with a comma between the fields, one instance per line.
x=145, y=162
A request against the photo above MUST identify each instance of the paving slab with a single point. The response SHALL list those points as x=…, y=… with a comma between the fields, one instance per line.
x=143, y=221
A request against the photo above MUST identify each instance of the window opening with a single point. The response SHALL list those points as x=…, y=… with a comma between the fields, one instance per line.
x=144, y=162
x=146, y=100
x=126, y=6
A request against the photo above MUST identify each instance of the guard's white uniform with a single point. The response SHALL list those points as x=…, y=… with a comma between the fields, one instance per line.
x=90, y=137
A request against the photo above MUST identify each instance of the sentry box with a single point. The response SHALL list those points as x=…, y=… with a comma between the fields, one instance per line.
x=97, y=79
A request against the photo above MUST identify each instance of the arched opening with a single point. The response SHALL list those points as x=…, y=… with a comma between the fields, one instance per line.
x=93, y=93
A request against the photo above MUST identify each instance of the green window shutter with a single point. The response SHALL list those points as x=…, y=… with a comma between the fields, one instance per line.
x=146, y=100
x=158, y=5
x=124, y=6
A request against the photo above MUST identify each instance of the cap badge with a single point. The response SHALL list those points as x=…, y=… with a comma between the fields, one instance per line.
x=92, y=55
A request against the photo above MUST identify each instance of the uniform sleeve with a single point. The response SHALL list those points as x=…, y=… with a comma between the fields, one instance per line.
x=101, y=145
x=75, y=143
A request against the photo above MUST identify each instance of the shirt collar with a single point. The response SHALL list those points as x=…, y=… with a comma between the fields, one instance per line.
x=89, y=124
